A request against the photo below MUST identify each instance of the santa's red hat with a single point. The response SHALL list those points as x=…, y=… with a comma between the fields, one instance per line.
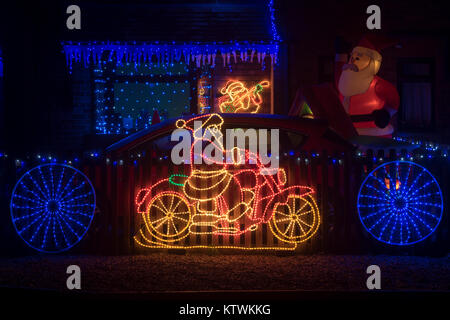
x=372, y=44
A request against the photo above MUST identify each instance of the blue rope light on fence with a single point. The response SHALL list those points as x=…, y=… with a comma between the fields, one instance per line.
x=400, y=203
x=52, y=207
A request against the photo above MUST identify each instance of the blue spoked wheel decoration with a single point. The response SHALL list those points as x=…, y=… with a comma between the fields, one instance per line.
x=52, y=207
x=400, y=203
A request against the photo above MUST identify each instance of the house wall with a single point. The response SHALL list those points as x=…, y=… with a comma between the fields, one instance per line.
x=309, y=31
x=46, y=109
x=77, y=123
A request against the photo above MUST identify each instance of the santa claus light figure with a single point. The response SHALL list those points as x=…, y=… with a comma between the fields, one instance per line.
x=369, y=100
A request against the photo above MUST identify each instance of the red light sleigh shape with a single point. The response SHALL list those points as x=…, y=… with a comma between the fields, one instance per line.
x=220, y=201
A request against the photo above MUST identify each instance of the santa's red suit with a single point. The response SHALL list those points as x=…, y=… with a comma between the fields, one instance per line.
x=380, y=94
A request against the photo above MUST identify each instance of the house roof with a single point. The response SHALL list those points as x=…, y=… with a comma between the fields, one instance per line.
x=176, y=30
x=180, y=21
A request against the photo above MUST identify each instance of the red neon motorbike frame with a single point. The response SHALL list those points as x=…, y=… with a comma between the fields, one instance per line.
x=268, y=189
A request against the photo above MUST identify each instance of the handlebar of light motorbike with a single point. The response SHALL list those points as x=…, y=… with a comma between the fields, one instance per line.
x=211, y=120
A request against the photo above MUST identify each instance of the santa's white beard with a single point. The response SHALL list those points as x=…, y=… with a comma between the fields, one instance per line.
x=351, y=82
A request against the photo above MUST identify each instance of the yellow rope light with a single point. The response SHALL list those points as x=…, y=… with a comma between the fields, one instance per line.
x=170, y=216
x=237, y=98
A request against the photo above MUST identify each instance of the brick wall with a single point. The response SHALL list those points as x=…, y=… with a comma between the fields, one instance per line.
x=77, y=122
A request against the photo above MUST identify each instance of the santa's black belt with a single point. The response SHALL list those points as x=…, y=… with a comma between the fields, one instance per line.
x=362, y=117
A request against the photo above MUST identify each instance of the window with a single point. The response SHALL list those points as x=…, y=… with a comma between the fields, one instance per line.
x=416, y=85
x=126, y=96
x=326, y=69
x=238, y=88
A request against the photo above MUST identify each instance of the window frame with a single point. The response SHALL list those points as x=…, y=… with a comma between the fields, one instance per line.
x=110, y=79
x=404, y=78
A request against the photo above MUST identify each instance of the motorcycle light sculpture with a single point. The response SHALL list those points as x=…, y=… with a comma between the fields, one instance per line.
x=218, y=199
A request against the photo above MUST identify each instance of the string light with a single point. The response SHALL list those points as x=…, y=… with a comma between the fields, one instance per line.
x=28, y=158
x=400, y=203
x=52, y=206
x=177, y=175
x=204, y=95
x=237, y=98
x=201, y=200
x=292, y=227
x=123, y=106
x=158, y=245
x=200, y=54
x=275, y=35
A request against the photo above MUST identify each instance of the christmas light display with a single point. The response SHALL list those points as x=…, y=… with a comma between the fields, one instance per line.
x=204, y=95
x=1, y=64
x=201, y=54
x=52, y=207
x=127, y=95
x=219, y=199
x=275, y=35
x=400, y=203
x=176, y=175
x=427, y=145
x=237, y=98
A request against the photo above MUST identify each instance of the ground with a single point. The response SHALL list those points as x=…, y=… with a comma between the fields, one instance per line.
x=173, y=272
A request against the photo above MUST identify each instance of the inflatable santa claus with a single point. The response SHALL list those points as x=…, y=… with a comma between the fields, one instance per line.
x=369, y=100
